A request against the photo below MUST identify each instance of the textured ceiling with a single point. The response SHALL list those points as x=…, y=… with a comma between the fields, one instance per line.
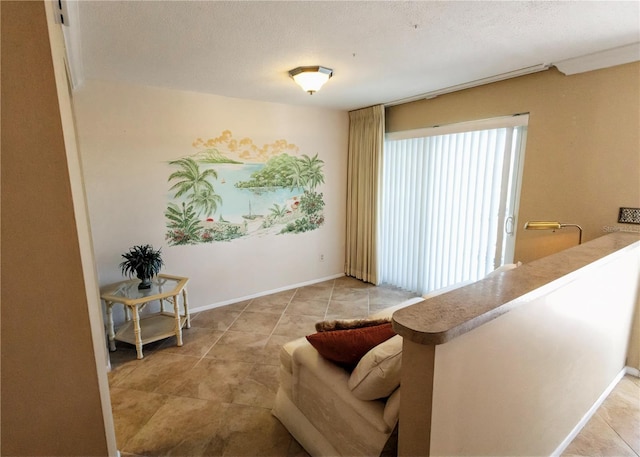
x=380, y=51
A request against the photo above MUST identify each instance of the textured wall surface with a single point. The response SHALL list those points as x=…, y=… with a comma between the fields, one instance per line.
x=128, y=134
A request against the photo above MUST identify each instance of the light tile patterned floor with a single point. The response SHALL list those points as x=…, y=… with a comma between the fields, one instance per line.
x=615, y=428
x=212, y=396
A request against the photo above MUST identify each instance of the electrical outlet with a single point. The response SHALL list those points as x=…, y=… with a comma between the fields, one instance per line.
x=321, y=257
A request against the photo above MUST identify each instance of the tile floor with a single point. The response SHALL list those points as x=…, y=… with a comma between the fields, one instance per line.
x=614, y=430
x=213, y=396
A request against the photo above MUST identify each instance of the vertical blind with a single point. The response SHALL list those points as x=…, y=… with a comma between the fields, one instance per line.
x=445, y=201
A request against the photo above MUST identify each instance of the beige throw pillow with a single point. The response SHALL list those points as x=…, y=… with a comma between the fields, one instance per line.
x=377, y=374
x=392, y=409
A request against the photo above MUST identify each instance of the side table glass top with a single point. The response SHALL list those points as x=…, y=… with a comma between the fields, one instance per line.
x=128, y=292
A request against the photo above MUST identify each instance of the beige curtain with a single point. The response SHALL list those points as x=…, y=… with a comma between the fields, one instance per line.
x=366, y=138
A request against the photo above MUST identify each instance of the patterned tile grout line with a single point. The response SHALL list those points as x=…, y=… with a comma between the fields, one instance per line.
x=326, y=310
x=282, y=314
x=224, y=332
x=604, y=419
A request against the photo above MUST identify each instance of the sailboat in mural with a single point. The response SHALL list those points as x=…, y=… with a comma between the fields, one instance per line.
x=251, y=216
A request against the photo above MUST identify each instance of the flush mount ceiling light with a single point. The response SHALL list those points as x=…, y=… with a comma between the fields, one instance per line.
x=311, y=79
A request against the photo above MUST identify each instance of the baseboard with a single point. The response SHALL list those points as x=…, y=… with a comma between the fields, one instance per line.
x=632, y=371
x=262, y=294
x=560, y=449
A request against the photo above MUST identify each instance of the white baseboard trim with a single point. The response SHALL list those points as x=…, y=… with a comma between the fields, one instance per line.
x=633, y=371
x=262, y=294
x=560, y=449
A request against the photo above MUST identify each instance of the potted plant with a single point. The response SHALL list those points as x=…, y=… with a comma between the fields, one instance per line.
x=144, y=262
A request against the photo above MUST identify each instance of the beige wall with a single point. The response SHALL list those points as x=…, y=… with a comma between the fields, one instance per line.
x=527, y=381
x=128, y=134
x=521, y=383
x=54, y=395
x=582, y=158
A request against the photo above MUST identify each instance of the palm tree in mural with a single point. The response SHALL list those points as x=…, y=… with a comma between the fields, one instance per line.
x=306, y=171
x=206, y=202
x=183, y=224
x=191, y=178
x=278, y=211
x=296, y=175
x=312, y=170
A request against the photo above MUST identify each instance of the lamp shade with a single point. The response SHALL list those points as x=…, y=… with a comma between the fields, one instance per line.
x=551, y=225
x=542, y=225
x=311, y=79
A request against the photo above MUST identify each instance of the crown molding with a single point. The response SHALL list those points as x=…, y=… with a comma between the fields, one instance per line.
x=475, y=83
x=603, y=59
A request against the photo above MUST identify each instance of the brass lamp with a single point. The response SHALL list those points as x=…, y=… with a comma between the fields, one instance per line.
x=550, y=225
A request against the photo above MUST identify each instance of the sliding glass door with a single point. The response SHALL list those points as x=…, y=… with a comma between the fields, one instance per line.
x=449, y=202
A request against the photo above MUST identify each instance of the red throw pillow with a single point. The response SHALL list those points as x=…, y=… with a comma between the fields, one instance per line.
x=347, y=347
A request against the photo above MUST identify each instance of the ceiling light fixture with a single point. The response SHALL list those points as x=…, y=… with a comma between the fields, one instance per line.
x=311, y=79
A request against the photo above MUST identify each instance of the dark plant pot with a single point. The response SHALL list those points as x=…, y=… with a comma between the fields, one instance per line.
x=145, y=284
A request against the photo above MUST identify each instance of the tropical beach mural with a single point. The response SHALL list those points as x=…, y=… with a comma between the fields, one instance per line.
x=233, y=188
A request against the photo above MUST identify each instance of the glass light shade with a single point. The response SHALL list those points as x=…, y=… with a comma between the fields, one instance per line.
x=311, y=79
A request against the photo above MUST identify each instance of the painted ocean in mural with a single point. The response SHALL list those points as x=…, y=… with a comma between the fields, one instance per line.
x=231, y=189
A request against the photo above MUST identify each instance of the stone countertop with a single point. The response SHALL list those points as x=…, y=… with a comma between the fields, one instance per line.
x=444, y=317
